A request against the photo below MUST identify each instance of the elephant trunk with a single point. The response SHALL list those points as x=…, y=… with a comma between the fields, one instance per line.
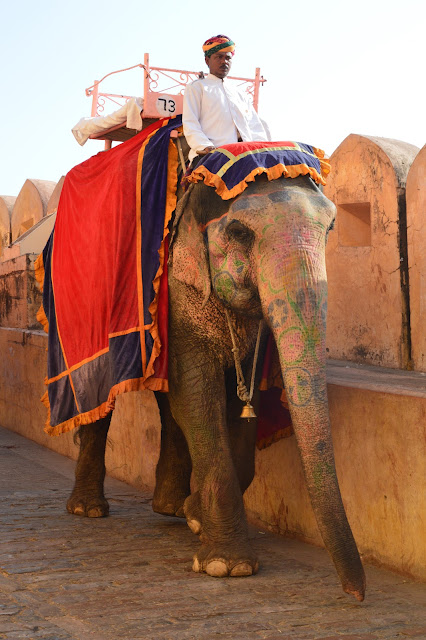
x=297, y=319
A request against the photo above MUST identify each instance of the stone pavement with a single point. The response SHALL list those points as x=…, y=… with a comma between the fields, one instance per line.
x=128, y=577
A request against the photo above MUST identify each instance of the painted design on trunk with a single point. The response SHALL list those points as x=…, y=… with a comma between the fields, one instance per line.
x=299, y=322
x=278, y=312
x=298, y=385
x=321, y=472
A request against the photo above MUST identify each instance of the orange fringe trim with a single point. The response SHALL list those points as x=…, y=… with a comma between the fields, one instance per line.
x=171, y=199
x=324, y=162
x=136, y=384
x=39, y=274
x=273, y=173
x=42, y=319
x=39, y=271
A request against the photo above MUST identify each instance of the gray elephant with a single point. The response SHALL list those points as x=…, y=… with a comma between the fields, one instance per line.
x=260, y=255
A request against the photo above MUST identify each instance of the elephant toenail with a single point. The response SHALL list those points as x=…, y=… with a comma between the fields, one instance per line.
x=217, y=569
x=96, y=512
x=242, y=569
x=196, y=565
x=195, y=526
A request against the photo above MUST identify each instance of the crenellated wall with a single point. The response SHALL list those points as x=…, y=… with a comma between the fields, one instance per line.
x=27, y=220
x=367, y=259
x=31, y=205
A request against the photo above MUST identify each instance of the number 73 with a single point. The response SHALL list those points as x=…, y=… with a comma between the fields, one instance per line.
x=169, y=105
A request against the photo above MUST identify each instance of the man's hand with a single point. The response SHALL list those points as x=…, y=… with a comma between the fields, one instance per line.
x=205, y=151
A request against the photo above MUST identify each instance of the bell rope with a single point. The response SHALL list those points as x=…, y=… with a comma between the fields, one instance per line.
x=242, y=393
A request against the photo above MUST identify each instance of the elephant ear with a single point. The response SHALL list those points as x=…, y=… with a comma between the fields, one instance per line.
x=188, y=250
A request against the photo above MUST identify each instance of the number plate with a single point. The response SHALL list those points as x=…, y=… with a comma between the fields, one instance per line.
x=166, y=105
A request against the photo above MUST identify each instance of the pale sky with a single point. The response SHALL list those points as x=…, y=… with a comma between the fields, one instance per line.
x=333, y=68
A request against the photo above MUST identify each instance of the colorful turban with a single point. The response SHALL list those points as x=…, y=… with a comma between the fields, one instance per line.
x=218, y=43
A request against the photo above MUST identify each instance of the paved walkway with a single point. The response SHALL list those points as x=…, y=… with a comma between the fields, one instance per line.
x=128, y=577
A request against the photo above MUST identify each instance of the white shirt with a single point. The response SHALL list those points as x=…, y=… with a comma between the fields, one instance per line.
x=216, y=113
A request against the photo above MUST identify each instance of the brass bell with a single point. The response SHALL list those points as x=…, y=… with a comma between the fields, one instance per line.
x=248, y=412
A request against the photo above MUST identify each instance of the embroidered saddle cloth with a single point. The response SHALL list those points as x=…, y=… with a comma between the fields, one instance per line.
x=231, y=167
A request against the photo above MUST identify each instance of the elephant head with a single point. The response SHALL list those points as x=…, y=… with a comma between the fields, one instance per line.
x=262, y=254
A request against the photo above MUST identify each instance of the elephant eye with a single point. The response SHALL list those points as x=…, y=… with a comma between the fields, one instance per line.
x=239, y=232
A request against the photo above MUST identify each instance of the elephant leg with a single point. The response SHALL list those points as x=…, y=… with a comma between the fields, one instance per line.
x=198, y=402
x=87, y=497
x=173, y=472
x=242, y=438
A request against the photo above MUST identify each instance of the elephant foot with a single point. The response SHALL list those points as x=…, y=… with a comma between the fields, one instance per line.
x=221, y=563
x=192, y=511
x=168, y=503
x=171, y=489
x=91, y=505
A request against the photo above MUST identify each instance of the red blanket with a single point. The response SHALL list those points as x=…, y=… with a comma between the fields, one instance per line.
x=101, y=270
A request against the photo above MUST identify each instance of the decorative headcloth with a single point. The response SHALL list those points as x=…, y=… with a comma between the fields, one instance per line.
x=218, y=43
x=232, y=166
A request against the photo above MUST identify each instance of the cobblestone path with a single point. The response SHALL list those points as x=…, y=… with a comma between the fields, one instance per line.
x=128, y=577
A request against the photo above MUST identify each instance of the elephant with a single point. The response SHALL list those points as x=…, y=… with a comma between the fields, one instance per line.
x=257, y=256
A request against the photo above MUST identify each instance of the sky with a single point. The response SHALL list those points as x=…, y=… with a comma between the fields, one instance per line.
x=333, y=68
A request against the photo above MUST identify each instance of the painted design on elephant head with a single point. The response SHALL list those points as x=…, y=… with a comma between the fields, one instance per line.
x=231, y=272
